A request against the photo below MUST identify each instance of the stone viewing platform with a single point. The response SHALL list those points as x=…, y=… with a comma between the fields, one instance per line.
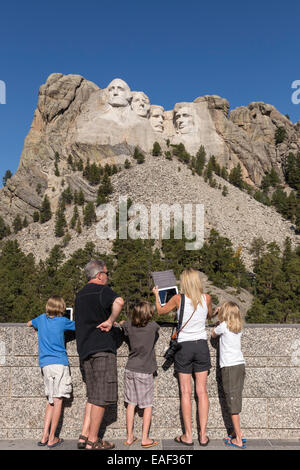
x=271, y=396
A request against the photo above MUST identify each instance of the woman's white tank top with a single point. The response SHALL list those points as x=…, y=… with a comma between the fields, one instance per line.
x=195, y=329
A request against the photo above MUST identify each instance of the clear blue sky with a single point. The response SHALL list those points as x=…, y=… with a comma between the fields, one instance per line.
x=172, y=50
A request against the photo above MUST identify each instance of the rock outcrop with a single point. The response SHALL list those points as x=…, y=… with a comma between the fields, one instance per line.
x=237, y=216
x=74, y=117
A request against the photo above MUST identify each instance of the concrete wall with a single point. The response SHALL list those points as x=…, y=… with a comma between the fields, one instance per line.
x=271, y=398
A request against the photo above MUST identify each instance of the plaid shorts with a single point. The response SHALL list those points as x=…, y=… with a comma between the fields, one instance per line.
x=138, y=388
x=100, y=376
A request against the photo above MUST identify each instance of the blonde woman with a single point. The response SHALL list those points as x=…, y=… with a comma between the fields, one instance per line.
x=193, y=356
x=232, y=365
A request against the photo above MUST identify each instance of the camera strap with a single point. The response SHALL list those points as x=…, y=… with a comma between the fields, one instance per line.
x=182, y=302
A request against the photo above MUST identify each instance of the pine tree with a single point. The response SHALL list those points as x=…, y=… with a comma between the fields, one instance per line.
x=7, y=176
x=56, y=172
x=280, y=135
x=200, y=160
x=81, y=199
x=138, y=156
x=45, y=212
x=74, y=217
x=79, y=165
x=114, y=169
x=89, y=214
x=235, y=176
x=36, y=216
x=4, y=229
x=105, y=189
x=60, y=223
x=75, y=197
x=86, y=170
x=17, y=224
x=78, y=226
x=180, y=152
x=93, y=175
x=225, y=191
x=156, y=150
x=279, y=200
x=262, y=197
x=224, y=173
x=67, y=195
x=127, y=164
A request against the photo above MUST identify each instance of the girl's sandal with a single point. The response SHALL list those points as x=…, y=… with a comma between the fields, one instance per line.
x=227, y=439
x=81, y=445
x=231, y=444
x=100, y=445
x=135, y=439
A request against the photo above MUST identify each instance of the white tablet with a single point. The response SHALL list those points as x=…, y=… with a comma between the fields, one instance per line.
x=166, y=293
x=69, y=313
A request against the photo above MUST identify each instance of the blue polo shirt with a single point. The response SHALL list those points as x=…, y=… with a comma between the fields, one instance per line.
x=51, y=339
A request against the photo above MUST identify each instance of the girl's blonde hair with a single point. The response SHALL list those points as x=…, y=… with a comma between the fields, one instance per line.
x=191, y=286
x=55, y=306
x=141, y=314
x=231, y=314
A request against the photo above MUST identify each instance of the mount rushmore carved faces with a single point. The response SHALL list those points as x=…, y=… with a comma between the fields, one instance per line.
x=184, y=121
x=119, y=93
x=140, y=103
x=157, y=118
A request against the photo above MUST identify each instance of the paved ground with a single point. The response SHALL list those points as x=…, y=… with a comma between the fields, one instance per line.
x=164, y=444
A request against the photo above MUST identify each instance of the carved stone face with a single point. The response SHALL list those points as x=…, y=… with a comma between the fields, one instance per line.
x=157, y=118
x=119, y=93
x=184, y=120
x=140, y=103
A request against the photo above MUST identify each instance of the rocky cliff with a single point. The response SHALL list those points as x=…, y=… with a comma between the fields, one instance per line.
x=74, y=117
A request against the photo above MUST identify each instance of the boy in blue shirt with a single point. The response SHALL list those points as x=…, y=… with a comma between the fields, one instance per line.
x=54, y=363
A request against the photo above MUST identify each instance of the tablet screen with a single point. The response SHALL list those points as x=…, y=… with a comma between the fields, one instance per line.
x=166, y=294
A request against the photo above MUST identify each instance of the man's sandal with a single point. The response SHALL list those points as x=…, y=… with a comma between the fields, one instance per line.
x=100, y=445
x=81, y=445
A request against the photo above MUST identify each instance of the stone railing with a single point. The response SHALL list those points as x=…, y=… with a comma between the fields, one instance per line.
x=271, y=397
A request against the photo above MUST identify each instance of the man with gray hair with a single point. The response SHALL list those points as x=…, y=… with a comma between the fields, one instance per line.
x=97, y=307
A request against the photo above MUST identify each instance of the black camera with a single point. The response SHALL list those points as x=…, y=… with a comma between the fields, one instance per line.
x=170, y=354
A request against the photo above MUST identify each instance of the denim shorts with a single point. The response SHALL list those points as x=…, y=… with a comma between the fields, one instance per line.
x=193, y=356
